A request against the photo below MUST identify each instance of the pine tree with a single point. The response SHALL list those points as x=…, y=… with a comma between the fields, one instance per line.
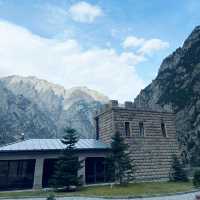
x=177, y=172
x=51, y=197
x=120, y=165
x=66, y=168
x=193, y=146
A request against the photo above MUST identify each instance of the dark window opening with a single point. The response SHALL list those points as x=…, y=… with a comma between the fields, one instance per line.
x=141, y=127
x=163, y=129
x=95, y=170
x=97, y=127
x=127, y=129
x=16, y=174
x=48, y=171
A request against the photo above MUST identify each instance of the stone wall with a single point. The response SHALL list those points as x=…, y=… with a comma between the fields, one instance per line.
x=106, y=126
x=152, y=153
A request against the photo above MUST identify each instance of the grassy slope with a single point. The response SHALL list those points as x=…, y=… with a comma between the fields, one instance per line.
x=137, y=189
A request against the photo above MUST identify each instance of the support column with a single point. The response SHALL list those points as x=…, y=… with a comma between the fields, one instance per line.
x=38, y=173
x=82, y=170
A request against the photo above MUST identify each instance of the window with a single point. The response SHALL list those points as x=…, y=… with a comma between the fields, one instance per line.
x=141, y=127
x=127, y=129
x=16, y=174
x=97, y=128
x=3, y=167
x=163, y=129
x=13, y=165
x=21, y=169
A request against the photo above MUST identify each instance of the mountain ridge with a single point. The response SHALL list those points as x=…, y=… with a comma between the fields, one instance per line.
x=177, y=86
x=73, y=107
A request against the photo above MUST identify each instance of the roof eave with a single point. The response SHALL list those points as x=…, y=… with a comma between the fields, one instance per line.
x=52, y=150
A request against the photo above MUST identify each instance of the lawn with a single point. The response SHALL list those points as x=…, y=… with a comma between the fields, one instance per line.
x=135, y=189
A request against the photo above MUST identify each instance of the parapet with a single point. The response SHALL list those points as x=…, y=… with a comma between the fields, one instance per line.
x=129, y=105
x=113, y=103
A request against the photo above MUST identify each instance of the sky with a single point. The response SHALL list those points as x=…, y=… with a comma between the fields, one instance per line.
x=112, y=46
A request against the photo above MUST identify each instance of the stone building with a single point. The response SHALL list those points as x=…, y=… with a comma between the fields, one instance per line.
x=151, y=136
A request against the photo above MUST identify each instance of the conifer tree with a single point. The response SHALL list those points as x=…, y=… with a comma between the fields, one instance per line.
x=66, y=168
x=120, y=165
x=177, y=172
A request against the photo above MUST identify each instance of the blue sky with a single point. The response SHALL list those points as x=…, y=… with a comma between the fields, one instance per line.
x=120, y=42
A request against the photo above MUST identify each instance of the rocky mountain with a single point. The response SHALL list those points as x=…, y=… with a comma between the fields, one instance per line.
x=19, y=115
x=177, y=86
x=41, y=109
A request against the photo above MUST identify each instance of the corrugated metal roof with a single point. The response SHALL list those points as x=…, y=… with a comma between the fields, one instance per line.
x=52, y=144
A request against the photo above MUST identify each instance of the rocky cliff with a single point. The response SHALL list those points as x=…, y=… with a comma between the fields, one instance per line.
x=19, y=115
x=41, y=109
x=177, y=87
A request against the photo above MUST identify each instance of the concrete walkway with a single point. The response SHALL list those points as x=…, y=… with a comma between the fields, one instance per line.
x=190, y=196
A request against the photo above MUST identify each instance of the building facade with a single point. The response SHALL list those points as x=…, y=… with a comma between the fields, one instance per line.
x=30, y=163
x=151, y=136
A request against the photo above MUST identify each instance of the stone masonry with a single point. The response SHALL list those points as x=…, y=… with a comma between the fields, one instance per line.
x=151, y=136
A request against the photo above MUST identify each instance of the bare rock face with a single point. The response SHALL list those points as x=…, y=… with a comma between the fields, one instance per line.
x=55, y=107
x=19, y=115
x=177, y=86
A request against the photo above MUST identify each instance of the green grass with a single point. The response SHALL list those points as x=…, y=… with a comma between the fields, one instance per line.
x=138, y=189
x=135, y=189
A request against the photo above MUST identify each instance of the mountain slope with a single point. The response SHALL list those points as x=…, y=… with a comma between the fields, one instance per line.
x=177, y=86
x=73, y=107
x=19, y=115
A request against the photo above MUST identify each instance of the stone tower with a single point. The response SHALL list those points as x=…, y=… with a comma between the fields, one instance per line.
x=151, y=136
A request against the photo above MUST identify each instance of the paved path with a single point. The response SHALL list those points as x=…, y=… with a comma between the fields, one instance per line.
x=190, y=196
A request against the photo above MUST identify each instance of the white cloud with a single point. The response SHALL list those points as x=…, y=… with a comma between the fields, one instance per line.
x=132, y=41
x=152, y=45
x=85, y=12
x=144, y=46
x=66, y=63
x=55, y=15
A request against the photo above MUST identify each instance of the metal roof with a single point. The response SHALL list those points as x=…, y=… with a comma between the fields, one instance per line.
x=52, y=144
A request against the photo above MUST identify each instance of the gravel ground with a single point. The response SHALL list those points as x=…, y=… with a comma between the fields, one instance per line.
x=190, y=196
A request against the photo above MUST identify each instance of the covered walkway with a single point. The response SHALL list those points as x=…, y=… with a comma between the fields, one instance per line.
x=30, y=163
